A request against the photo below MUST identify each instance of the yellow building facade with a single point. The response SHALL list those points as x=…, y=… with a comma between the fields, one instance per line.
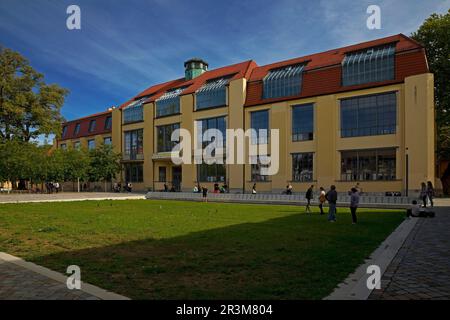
x=336, y=126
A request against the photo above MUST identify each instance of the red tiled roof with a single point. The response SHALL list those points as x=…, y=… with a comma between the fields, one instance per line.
x=84, y=122
x=237, y=71
x=322, y=73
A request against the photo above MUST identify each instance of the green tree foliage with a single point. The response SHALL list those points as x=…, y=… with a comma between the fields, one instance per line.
x=28, y=106
x=434, y=34
x=104, y=163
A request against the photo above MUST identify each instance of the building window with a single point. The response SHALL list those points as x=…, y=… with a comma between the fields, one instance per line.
x=302, y=167
x=218, y=123
x=259, y=120
x=92, y=125
x=133, y=146
x=369, y=65
x=169, y=103
x=77, y=145
x=108, y=123
x=134, y=112
x=211, y=173
x=91, y=144
x=376, y=164
x=64, y=131
x=283, y=82
x=162, y=174
x=212, y=94
x=302, y=122
x=107, y=141
x=133, y=172
x=76, y=131
x=256, y=171
x=165, y=144
x=63, y=146
x=369, y=115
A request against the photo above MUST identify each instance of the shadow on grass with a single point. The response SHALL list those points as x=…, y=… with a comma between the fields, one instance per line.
x=293, y=257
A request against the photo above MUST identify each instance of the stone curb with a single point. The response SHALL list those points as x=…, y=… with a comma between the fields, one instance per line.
x=355, y=286
x=85, y=287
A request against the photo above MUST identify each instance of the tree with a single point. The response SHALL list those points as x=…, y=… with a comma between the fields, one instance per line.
x=28, y=106
x=434, y=35
x=104, y=164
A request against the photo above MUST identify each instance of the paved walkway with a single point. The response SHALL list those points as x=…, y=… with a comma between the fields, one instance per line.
x=22, y=280
x=421, y=268
x=67, y=196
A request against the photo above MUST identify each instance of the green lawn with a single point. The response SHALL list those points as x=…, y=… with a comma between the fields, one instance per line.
x=179, y=250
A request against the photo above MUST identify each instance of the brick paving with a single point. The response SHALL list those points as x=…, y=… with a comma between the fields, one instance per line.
x=18, y=283
x=421, y=268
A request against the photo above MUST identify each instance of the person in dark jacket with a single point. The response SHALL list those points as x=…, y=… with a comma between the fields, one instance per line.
x=423, y=194
x=308, y=196
x=331, y=197
x=354, y=203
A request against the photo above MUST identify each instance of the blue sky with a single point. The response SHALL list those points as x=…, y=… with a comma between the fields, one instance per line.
x=125, y=46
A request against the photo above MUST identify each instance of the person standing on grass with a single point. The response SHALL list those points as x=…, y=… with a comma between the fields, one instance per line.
x=354, y=203
x=331, y=197
x=205, y=194
x=322, y=199
x=423, y=194
x=430, y=192
x=308, y=196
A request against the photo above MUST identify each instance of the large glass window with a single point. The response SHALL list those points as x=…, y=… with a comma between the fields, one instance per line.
x=369, y=65
x=91, y=144
x=162, y=174
x=256, y=171
x=218, y=123
x=133, y=172
x=64, y=132
x=259, y=120
x=92, y=125
x=76, y=131
x=107, y=141
x=376, y=164
x=134, y=112
x=108, y=123
x=369, y=115
x=283, y=82
x=212, y=94
x=302, y=122
x=211, y=173
x=164, y=137
x=302, y=167
x=133, y=146
x=169, y=103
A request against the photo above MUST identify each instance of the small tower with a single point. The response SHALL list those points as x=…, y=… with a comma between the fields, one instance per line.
x=194, y=67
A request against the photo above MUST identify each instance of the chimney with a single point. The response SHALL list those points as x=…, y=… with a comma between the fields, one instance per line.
x=194, y=67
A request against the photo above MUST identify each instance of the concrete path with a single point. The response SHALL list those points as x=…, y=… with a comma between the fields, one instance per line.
x=421, y=269
x=67, y=196
x=21, y=280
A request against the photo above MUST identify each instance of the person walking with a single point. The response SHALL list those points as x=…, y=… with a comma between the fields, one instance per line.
x=423, y=194
x=430, y=192
x=205, y=194
x=308, y=196
x=354, y=203
x=254, y=188
x=331, y=197
x=322, y=200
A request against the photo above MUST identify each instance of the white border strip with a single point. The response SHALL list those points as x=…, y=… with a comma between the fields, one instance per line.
x=355, y=286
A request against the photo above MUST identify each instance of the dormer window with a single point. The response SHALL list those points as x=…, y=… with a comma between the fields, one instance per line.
x=169, y=103
x=92, y=125
x=212, y=94
x=134, y=112
x=369, y=65
x=283, y=82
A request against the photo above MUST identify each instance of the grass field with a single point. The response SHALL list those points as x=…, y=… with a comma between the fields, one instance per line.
x=187, y=250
